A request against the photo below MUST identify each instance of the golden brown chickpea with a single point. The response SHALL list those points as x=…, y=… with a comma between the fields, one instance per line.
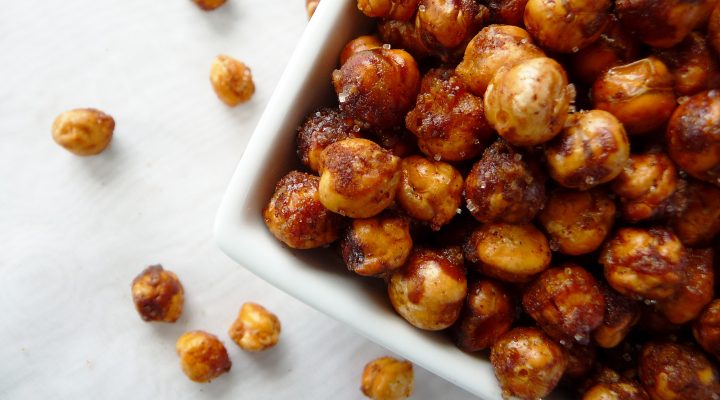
x=321, y=129
x=446, y=24
x=528, y=104
x=621, y=314
x=429, y=291
x=311, y=6
x=429, y=191
x=645, y=264
x=448, y=121
x=360, y=43
x=616, y=391
x=488, y=313
x=693, y=65
x=403, y=35
x=158, y=294
x=713, y=28
x=83, y=131
x=527, y=363
x=295, y=215
x=675, y=371
x=639, y=94
x=401, y=10
x=577, y=222
x=255, y=328
x=202, y=356
x=591, y=150
x=386, y=378
x=511, y=253
x=377, y=86
x=697, y=291
x=377, y=245
x=581, y=360
x=209, y=5
x=699, y=221
x=231, y=80
x=566, y=26
x=508, y=12
x=706, y=328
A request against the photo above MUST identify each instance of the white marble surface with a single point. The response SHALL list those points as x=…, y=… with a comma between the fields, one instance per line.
x=75, y=231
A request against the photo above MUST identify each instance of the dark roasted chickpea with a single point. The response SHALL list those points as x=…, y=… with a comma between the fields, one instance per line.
x=399, y=142
x=403, y=35
x=311, y=6
x=566, y=26
x=449, y=23
x=255, y=328
x=713, y=29
x=591, y=150
x=295, y=215
x=448, y=121
x=527, y=363
x=626, y=390
x=489, y=312
x=387, y=378
x=621, y=314
x=699, y=221
x=377, y=86
x=158, y=294
x=528, y=104
x=401, y=10
x=675, y=371
x=429, y=291
x=693, y=65
x=209, y=5
x=83, y=131
x=645, y=264
x=581, y=359
x=360, y=43
x=202, y=356
x=577, y=222
x=377, y=245
x=706, y=328
x=697, y=290
x=321, y=129
x=639, y=94
x=654, y=323
x=509, y=12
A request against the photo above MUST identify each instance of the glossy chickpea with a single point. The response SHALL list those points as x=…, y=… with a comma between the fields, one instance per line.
x=429, y=291
x=295, y=215
x=401, y=10
x=231, y=80
x=675, y=371
x=387, y=378
x=321, y=129
x=83, y=131
x=378, y=245
x=488, y=313
x=698, y=222
x=403, y=35
x=639, y=94
x=209, y=5
x=528, y=104
x=693, y=65
x=621, y=314
x=713, y=29
x=255, y=328
x=446, y=24
x=527, y=364
x=697, y=290
x=311, y=6
x=566, y=26
x=202, y=356
x=616, y=391
x=360, y=43
x=706, y=328
x=158, y=295
x=509, y=12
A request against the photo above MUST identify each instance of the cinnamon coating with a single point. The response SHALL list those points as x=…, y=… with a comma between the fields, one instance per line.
x=321, y=129
x=676, y=371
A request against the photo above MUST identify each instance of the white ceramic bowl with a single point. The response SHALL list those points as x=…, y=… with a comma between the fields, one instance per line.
x=318, y=277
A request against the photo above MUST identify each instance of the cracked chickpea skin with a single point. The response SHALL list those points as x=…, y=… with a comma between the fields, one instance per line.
x=158, y=295
x=378, y=245
x=566, y=26
x=255, y=328
x=83, y=131
x=387, y=378
x=231, y=80
x=202, y=356
x=670, y=371
x=488, y=313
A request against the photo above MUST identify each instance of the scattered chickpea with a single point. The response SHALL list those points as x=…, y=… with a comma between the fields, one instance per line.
x=671, y=371
x=706, y=328
x=231, y=80
x=386, y=378
x=311, y=6
x=566, y=26
x=202, y=356
x=158, y=295
x=209, y=5
x=255, y=328
x=83, y=131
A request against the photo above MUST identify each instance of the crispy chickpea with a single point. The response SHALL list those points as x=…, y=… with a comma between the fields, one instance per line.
x=83, y=131
x=231, y=80
x=527, y=363
x=311, y=6
x=706, y=328
x=321, y=129
x=401, y=10
x=508, y=12
x=386, y=378
x=581, y=359
x=511, y=253
x=504, y=186
x=255, y=328
x=621, y=314
x=360, y=43
x=429, y=191
x=448, y=121
x=403, y=35
x=400, y=142
x=675, y=371
x=627, y=390
x=209, y=5
x=693, y=136
x=699, y=221
x=577, y=222
x=449, y=23
x=158, y=294
x=645, y=264
x=528, y=104
x=639, y=94
x=202, y=356
x=697, y=291
x=377, y=245
x=429, y=291
x=713, y=28
x=488, y=313
x=692, y=64
x=566, y=26
x=295, y=215
x=377, y=86
x=591, y=150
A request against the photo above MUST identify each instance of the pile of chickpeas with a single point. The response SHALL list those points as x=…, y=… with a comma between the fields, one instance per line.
x=537, y=178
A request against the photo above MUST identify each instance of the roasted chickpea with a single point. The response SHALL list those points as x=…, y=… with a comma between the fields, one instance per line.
x=675, y=371
x=646, y=264
x=386, y=378
x=295, y=215
x=508, y=12
x=591, y=150
x=698, y=222
x=566, y=26
x=446, y=24
x=377, y=86
x=158, y=294
x=527, y=363
x=511, y=253
x=202, y=356
x=448, y=121
x=399, y=142
x=377, y=245
x=697, y=291
x=430, y=289
x=255, y=328
x=321, y=129
x=621, y=314
x=581, y=359
x=401, y=10
x=360, y=43
x=528, y=104
x=311, y=6
x=639, y=94
x=358, y=178
x=231, y=80
x=626, y=390
x=706, y=328
x=83, y=131
x=209, y=5
x=488, y=313
x=692, y=64
x=713, y=29
x=403, y=35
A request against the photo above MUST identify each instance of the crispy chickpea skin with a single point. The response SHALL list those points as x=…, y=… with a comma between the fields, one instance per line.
x=360, y=43
x=429, y=191
x=675, y=371
x=377, y=245
x=255, y=328
x=209, y=5
x=386, y=378
x=448, y=23
x=488, y=313
x=158, y=294
x=706, y=328
x=508, y=12
x=358, y=178
x=693, y=65
x=295, y=215
x=504, y=186
x=621, y=314
x=311, y=6
x=699, y=221
x=403, y=35
x=401, y=10
x=429, y=291
x=511, y=253
x=83, y=131
x=321, y=129
x=566, y=26
x=693, y=136
x=697, y=290
x=528, y=104
x=231, y=80
x=577, y=222
x=377, y=86
x=527, y=363
x=639, y=94
x=644, y=264
x=202, y=356
x=591, y=150
x=626, y=390
x=448, y=121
